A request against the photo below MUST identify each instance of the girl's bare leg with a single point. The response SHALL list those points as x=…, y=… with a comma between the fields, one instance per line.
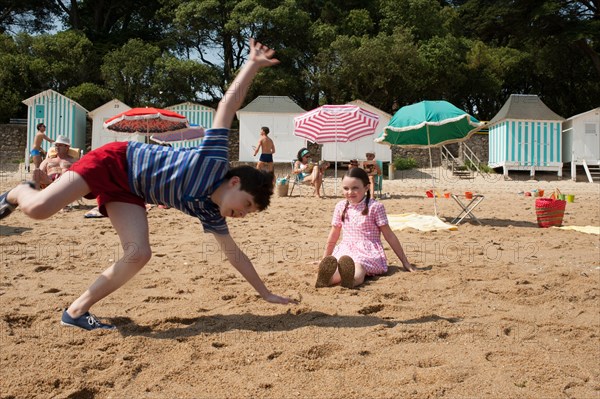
x=131, y=223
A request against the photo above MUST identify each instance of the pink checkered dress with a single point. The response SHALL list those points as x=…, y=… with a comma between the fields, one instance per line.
x=361, y=237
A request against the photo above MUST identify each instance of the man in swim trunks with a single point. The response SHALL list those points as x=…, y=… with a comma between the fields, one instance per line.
x=53, y=167
x=265, y=162
x=36, y=149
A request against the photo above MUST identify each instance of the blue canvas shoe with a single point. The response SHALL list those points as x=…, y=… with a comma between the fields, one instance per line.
x=6, y=208
x=87, y=321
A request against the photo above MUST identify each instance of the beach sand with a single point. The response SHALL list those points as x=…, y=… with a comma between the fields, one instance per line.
x=502, y=310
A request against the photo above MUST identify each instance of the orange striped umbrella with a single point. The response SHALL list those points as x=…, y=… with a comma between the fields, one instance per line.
x=147, y=120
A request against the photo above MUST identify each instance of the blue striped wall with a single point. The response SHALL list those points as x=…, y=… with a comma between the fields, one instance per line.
x=197, y=115
x=525, y=143
x=61, y=116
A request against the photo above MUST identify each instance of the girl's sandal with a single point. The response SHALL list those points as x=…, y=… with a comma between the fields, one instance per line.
x=327, y=268
x=347, y=271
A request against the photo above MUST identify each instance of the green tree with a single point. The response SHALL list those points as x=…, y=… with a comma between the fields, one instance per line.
x=26, y=16
x=176, y=81
x=89, y=95
x=129, y=72
x=14, y=78
x=62, y=60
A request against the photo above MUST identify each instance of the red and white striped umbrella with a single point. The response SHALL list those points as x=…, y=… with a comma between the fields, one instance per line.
x=147, y=120
x=335, y=123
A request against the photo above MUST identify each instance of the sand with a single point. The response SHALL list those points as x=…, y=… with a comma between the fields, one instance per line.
x=502, y=310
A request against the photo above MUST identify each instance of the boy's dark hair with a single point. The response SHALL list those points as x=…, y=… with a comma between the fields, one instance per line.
x=258, y=183
x=265, y=129
x=39, y=125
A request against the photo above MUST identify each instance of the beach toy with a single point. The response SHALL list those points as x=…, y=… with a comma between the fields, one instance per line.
x=549, y=212
x=570, y=197
x=528, y=194
x=468, y=195
x=562, y=197
x=446, y=195
x=540, y=193
x=429, y=194
x=283, y=185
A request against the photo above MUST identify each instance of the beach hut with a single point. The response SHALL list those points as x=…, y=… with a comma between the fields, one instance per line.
x=277, y=113
x=581, y=144
x=60, y=114
x=357, y=149
x=526, y=135
x=100, y=135
x=196, y=114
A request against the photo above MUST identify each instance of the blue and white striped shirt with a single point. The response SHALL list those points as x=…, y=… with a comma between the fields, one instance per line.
x=182, y=178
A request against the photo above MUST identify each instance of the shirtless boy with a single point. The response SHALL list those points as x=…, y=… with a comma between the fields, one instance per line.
x=36, y=150
x=265, y=162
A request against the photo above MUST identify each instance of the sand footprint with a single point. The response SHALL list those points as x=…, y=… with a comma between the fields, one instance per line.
x=371, y=309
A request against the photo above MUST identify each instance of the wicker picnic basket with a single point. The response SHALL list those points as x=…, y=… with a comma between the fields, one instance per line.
x=549, y=211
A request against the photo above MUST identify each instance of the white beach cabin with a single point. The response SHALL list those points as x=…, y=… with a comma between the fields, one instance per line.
x=60, y=114
x=277, y=113
x=357, y=149
x=100, y=135
x=196, y=114
x=581, y=143
x=526, y=135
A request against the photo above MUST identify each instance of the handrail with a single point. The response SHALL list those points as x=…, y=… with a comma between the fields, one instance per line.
x=445, y=155
x=470, y=155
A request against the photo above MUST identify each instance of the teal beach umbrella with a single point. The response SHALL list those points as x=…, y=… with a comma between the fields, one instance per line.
x=429, y=124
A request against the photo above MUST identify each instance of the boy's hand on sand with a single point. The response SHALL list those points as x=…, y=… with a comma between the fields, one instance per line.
x=262, y=55
x=279, y=299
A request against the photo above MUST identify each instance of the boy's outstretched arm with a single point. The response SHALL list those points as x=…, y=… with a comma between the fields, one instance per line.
x=260, y=56
x=240, y=261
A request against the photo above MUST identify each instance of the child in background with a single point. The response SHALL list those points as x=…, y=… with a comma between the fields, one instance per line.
x=360, y=253
x=124, y=176
x=267, y=148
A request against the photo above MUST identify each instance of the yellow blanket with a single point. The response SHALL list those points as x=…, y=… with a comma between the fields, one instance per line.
x=583, y=229
x=420, y=222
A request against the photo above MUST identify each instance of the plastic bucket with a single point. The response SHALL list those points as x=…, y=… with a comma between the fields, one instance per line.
x=446, y=195
x=549, y=212
x=282, y=190
x=570, y=197
x=429, y=194
x=468, y=195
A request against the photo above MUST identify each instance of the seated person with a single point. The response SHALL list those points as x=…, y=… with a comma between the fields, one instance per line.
x=308, y=171
x=353, y=164
x=370, y=166
x=55, y=165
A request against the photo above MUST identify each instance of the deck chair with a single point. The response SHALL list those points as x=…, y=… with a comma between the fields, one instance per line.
x=295, y=181
x=73, y=152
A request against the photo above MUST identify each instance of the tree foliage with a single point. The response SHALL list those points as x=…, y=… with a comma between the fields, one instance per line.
x=389, y=53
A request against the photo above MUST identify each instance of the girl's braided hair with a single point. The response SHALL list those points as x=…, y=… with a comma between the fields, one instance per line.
x=364, y=177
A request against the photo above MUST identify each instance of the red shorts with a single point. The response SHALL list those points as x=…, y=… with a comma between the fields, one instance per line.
x=105, y=171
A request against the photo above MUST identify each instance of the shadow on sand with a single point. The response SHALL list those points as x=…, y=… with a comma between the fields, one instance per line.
x=179, y=327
